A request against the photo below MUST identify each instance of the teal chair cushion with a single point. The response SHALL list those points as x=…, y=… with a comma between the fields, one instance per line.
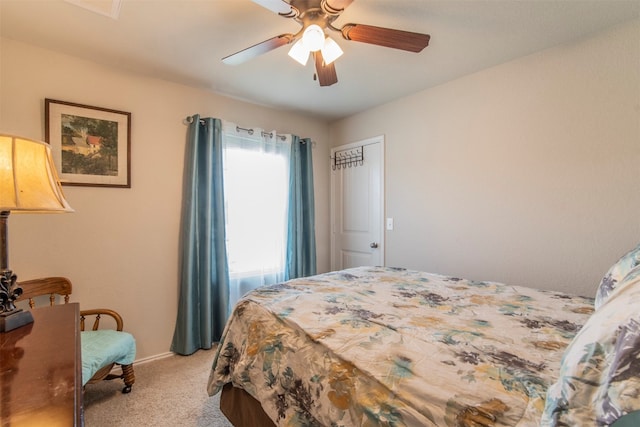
x=105, y=346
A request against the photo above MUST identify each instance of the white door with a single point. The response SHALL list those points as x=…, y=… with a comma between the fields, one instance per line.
x=357, y=204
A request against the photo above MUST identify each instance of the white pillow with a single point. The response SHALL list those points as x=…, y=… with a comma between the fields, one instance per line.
x=599, y=378
x=616, y=274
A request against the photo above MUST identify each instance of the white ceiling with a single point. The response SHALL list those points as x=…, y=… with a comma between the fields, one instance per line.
x=184, y=40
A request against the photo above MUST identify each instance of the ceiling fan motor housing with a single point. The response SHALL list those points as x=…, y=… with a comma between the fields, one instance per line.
x=310, y=12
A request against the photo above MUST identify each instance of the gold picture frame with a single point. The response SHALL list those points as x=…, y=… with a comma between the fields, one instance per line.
x=91, y=146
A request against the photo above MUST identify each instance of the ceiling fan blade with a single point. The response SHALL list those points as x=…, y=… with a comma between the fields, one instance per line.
x=258, y=49
x=326, y=73
x=280, y=7
x=336, y=6
x=387, y=37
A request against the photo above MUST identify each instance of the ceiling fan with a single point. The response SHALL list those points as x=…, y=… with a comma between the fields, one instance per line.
x=316, y=16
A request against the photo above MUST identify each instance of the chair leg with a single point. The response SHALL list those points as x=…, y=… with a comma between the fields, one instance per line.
x=129, y=378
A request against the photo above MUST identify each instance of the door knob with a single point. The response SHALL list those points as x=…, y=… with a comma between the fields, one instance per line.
x=373, y=245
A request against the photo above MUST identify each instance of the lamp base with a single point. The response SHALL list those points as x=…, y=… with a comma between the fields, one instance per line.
x=14, y=319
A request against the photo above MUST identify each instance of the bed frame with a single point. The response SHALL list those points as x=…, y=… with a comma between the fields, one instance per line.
x=241, y=409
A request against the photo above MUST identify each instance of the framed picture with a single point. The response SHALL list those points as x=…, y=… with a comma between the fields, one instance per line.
x=91, y=146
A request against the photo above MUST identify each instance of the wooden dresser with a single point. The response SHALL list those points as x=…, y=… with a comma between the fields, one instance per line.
x=41, y=370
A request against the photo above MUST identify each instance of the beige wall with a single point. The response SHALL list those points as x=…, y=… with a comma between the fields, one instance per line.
x=120, y=247
x=525, y=173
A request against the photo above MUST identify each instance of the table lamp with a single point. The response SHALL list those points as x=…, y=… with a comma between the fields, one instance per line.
x=28, y=184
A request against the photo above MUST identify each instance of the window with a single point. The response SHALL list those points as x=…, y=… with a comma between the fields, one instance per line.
x=256, y=191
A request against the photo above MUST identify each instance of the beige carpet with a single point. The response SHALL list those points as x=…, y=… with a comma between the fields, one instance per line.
x=167, y=392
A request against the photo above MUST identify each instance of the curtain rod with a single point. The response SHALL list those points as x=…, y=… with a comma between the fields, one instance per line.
x=189, y=119
x=264, y=134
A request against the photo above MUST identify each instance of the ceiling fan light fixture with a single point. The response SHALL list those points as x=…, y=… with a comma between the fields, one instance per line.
x=330, y=51
x=315, y=17
x=299, y=52
x=313, y=38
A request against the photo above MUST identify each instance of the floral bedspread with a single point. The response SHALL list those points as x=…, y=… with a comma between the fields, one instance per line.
x=382, y=346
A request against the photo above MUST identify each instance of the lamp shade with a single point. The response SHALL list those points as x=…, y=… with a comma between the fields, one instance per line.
x=313, y=38
x=330, y=51
x=28, y=178
x=299, y=52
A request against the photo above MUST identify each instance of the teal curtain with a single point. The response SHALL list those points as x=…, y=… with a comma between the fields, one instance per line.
x=301, y=240
x=203, y=304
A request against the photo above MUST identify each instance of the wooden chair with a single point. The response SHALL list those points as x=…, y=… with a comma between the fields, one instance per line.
x=61, y=287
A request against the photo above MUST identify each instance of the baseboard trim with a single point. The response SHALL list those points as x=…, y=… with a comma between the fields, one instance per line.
x=150, y=358
x=116, y=368
x=154, y=358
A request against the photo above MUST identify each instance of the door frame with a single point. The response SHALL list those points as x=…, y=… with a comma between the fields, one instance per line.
x=381, y=245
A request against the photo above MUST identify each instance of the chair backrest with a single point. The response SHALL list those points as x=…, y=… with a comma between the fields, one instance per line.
x=51, y=286
x=96, y=314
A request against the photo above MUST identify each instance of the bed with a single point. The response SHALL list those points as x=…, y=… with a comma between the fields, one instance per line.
x=375, y=346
